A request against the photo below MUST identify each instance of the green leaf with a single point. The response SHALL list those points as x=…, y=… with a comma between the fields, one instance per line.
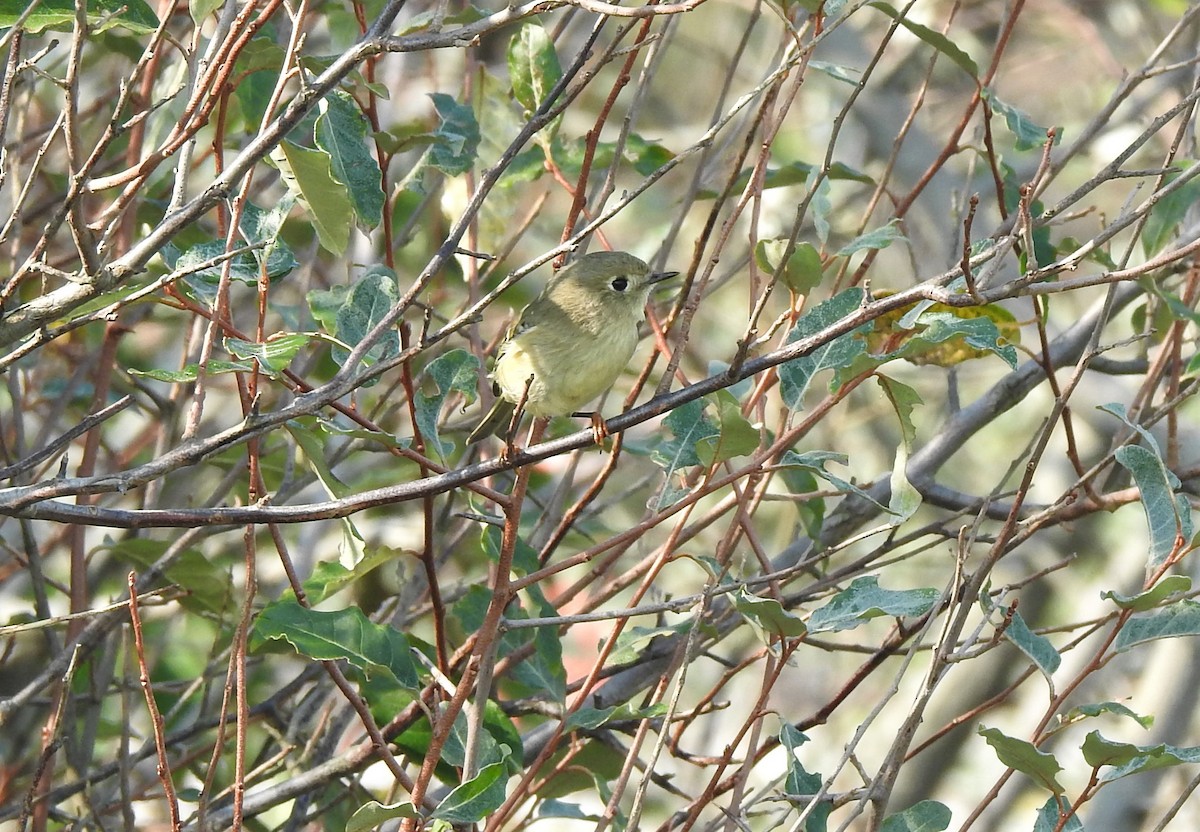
x=926, y=816
x=592, y=718
x=1169, y=211
x=201, y=9
x=369, y=301
x=797, y=173
x=456, y=139
x=1117, y=409
x=1169, y=516
x=543, y=672
x=423, y=20
x=768, y=616
x=801, y=273
x=562, y=809
x=1043, y=249
x=633, y=641
x=795, y=375
x=815, y=461
x=646, y=157
x=475, y=799
x=323, y=305
x=533, y=66
x=935, y=39
x=341, y=131
x=257, y=227
x=192, y=372
x=800, y=783
x=688, y=426
x=1101, y=708
x=905, y=498
x=313, y=448
x=1126, y=759
x=933, y=333
x=1098, y=751
x=525, y=557
x=1050, y=815
x=253, y=93
x=1144, y=758
x=1181, y=618
x=330, y=577
x=262, y=226
x=980, y=334
x=878, y=239
x=735, y=435
x=339, y=634
x=309, y=176
x=372, y=815
x=273, y=355
x=1167, y=587
x=208, y=584
x=822, y=207
x=1024, y=757
x=134, y=15
x=1030, y=136
x=904, y=401
x=454, y=371
x=1038, y=648
x=863, y=600
x=849, y=75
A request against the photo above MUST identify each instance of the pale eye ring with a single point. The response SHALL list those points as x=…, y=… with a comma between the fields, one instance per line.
x=620, y=283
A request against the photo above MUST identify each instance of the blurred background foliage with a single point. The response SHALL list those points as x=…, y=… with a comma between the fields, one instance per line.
x=895, y=536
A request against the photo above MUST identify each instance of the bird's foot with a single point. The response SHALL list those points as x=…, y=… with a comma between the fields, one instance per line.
x=599, y=429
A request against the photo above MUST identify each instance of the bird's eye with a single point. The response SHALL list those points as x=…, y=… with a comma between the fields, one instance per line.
x=620, y=283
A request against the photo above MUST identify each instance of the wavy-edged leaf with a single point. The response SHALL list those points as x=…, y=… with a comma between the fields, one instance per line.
x=337, y=634
x=1029, y=135
x=372, y=814
x=308, y=174
x=1038, y=648
x=865, y=599
x=134, y=15
x=803, y=270
x=341, y=131
x=274, y=354
x=456, y=371
x=735, y=435
x=370, y=299
x=456, y=139
x=1168, y=586
x=1181, y=618
x=1025, y=757
x=801, y=783
x=474, y=800
x=934, y=38
x=1049, y=817
x=592, y=718
x=768, y=616
x=533, y=65
x=926, y=816
x=192, y=371
x=796, y=375
x=1168, y=515
x=875, y=240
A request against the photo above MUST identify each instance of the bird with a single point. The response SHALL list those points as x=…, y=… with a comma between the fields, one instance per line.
x=570, y=344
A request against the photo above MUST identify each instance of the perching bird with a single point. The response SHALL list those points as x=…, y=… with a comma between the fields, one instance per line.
x=571, y=343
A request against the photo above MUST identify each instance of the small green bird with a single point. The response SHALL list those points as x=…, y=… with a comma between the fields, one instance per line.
x=569, y=345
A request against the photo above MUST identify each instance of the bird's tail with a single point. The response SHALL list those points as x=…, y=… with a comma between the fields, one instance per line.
x=495, y=423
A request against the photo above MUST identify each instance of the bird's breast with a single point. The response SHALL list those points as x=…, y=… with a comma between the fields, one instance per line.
x=568, y=370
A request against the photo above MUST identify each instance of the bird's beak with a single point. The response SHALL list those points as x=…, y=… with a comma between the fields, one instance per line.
x=658, y=277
